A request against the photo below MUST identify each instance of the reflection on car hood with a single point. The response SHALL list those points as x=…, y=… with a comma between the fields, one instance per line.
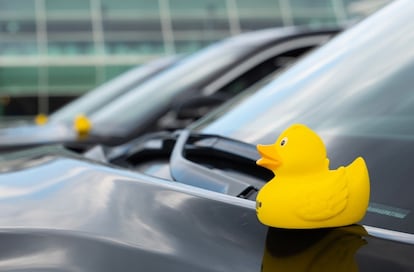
x=15, y=123
x=63, y=214
x=32, y=132
x=146, y=221
x=335, y=250
x=30, y=135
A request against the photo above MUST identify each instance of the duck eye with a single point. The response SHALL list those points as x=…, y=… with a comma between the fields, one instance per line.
x=283, y=142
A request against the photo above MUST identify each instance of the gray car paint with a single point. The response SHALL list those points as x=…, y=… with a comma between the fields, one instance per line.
x=61, y=213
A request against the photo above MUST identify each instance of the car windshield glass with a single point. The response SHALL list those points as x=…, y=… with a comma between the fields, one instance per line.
x=103, y=94
x=356, y=93
x=156, y=94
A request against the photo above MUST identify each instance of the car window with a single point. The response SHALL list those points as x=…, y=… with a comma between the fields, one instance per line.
x=103, y=94
x=156, y=94
x=263, y=69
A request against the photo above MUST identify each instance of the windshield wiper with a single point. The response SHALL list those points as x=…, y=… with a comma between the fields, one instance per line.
x=210, y=155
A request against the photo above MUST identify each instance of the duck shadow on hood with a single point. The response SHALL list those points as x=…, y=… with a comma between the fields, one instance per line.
x=329, y=249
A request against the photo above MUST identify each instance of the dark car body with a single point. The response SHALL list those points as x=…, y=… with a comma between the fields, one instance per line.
x=62, y=212
x=195, y=84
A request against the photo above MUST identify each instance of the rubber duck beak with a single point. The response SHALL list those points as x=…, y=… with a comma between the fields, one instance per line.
x=270, y=159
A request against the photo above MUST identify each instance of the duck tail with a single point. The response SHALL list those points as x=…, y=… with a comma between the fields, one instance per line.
x=358, y=170
x=358, y=177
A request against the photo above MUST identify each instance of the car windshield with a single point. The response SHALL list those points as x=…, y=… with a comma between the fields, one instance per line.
x=155, y=95
x=103, y=94
x=356, y=93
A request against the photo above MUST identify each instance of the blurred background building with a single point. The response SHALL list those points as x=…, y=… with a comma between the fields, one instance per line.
x=54, y=50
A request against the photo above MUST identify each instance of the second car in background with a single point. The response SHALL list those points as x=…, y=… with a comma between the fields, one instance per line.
x=180, y=94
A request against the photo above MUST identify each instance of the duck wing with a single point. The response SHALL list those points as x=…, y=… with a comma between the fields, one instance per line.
x=326, y=200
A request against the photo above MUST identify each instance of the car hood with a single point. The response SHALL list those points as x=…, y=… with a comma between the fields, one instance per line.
x=14, y=123
x=30, y=135
x=29, y=132
x=61, y=213
x=78, y=209
x=49, y=250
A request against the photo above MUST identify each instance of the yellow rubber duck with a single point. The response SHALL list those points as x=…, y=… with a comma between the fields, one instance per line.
x=82, y=125
x=41, y=119
x=304, y=193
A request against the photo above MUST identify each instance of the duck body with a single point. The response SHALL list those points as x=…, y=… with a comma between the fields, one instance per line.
x=309, y=195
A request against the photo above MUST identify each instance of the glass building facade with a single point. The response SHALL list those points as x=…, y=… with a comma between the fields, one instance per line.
x=54, y=50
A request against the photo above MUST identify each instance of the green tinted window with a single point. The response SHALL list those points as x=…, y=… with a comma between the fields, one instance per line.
x=19, y=80
x=130, y=4
x=189, y=46
x=258, y=5
x=57, y=28
x=204, y=18
x=113, y=71
x=318, y=12
x=134, y=47
x=260, y=14
x=66, y=5
x=14, y=26
x=206, y=6
x=17, y=6
x=18, y=76
x=71, y=79
x=18, y=48
x=116, y=27
x=129, y=7
x=71, y=48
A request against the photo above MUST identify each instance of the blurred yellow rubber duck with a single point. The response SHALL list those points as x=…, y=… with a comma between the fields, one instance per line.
x=304, y=193
x=82, y=125
x=41, y=119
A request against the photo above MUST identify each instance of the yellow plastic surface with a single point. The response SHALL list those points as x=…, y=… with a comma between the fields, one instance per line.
x=82, y=125
x=305, y=193
x=41, y=119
